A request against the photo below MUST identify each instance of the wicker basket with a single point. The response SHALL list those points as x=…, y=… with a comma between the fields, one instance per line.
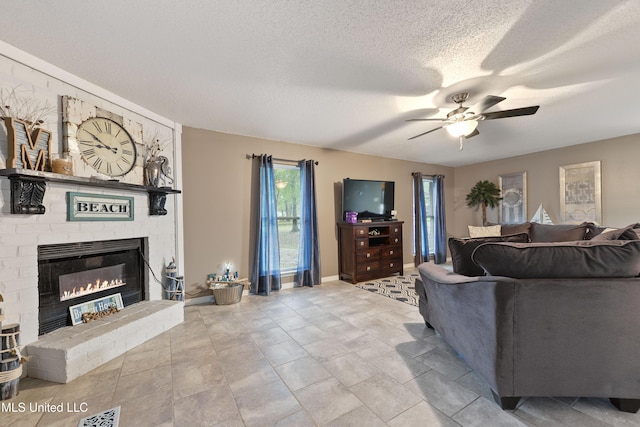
x=227, y=294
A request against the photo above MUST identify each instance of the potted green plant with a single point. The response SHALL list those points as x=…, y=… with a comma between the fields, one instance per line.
x=484, y=193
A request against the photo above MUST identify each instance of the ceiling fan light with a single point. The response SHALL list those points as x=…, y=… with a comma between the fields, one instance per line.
x=463, y=128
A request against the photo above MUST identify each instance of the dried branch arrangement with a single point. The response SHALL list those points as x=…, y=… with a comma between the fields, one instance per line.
x=30, y=110
x=154, y=146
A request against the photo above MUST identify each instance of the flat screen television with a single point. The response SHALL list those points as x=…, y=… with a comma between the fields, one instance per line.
x=370, y=199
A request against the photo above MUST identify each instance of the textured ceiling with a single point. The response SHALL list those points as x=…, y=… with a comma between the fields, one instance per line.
x=346, y=74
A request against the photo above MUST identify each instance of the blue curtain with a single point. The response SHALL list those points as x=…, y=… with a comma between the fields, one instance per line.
x=308, y=272
x=265, y=275
x=440, y=250
x=421, y=241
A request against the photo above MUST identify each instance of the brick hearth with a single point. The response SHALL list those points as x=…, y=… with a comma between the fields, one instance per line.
x=66, y=353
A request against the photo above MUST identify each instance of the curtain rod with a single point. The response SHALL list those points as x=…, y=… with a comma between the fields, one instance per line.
x=425, y=174
x=253, y=156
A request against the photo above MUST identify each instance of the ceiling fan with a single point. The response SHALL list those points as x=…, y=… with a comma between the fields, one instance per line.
x=462, y=123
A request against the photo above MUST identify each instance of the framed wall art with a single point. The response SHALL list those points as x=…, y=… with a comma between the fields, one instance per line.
x=99, y=207
x=580, y=193
x=513, y=190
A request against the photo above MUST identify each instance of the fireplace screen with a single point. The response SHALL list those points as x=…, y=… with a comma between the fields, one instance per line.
x=87, y=282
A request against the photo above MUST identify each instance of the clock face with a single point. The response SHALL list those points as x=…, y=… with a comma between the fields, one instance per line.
x=106, y=146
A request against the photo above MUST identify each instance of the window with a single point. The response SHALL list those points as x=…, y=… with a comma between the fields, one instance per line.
x=427, y=184
x=287, y=181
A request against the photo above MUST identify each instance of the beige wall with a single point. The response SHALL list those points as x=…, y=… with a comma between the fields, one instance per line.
x=218, y=181
x=620, y=181
x=217, y=186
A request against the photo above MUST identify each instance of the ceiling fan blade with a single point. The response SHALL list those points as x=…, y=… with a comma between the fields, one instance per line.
x=488, y=102
x=472, y=134
x=429, y=131
x=525, y=111
x=425, y=120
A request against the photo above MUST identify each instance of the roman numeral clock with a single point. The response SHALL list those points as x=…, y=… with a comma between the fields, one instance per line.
x=102, y=141
x=106, y=146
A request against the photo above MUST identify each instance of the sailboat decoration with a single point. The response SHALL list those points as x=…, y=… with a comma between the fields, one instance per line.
x=541, y=216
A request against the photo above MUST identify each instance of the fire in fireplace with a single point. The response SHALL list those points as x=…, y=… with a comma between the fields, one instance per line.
x=74, y=273
x=74, y=285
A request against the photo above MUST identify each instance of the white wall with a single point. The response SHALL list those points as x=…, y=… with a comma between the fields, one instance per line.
x=20, y=235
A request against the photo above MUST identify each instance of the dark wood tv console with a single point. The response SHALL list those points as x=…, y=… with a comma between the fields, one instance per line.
x=368, y=251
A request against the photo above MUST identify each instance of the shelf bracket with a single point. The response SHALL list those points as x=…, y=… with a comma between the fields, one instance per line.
x=157, y=200
x=27, y=195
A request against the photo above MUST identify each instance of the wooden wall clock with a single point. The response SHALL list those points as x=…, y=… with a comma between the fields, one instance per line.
x=106, y=146
x=100, y=141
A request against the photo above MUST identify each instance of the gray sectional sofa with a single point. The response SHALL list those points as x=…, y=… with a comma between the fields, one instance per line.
x=546, y=317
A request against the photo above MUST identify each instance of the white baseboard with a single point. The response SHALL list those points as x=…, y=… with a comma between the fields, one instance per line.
x=207, y=299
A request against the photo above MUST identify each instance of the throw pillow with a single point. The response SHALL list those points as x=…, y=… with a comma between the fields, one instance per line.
x=626, y=233
x=612, y=258
x=593, y=230
x=490, y=231
x=558, y=233
x=461, y=250
x=509, y=229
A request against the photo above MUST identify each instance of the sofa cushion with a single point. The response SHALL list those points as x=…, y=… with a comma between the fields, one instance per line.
x=509, y=229
x=609, y=258
x=461, y=250
x=626, y=233
x=489, y=231
x=558, y=233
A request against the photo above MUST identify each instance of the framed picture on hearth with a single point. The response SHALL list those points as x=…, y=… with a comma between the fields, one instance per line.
x=513, y=190
x=580, y=193
x=95, y=309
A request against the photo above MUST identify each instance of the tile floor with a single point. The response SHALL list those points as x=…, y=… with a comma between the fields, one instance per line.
x=331, y=355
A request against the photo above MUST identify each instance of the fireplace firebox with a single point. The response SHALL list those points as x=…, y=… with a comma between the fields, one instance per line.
x=74, y=273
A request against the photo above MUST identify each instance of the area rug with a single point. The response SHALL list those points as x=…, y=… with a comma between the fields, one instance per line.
x=401, y=288
x=108, y=418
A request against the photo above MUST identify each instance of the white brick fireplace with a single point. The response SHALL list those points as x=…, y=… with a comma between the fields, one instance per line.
x=20, y=235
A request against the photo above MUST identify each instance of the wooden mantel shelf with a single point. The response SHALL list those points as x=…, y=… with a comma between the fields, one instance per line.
x=28, y=188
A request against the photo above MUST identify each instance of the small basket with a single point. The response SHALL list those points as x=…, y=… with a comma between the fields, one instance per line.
x=227, y=294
